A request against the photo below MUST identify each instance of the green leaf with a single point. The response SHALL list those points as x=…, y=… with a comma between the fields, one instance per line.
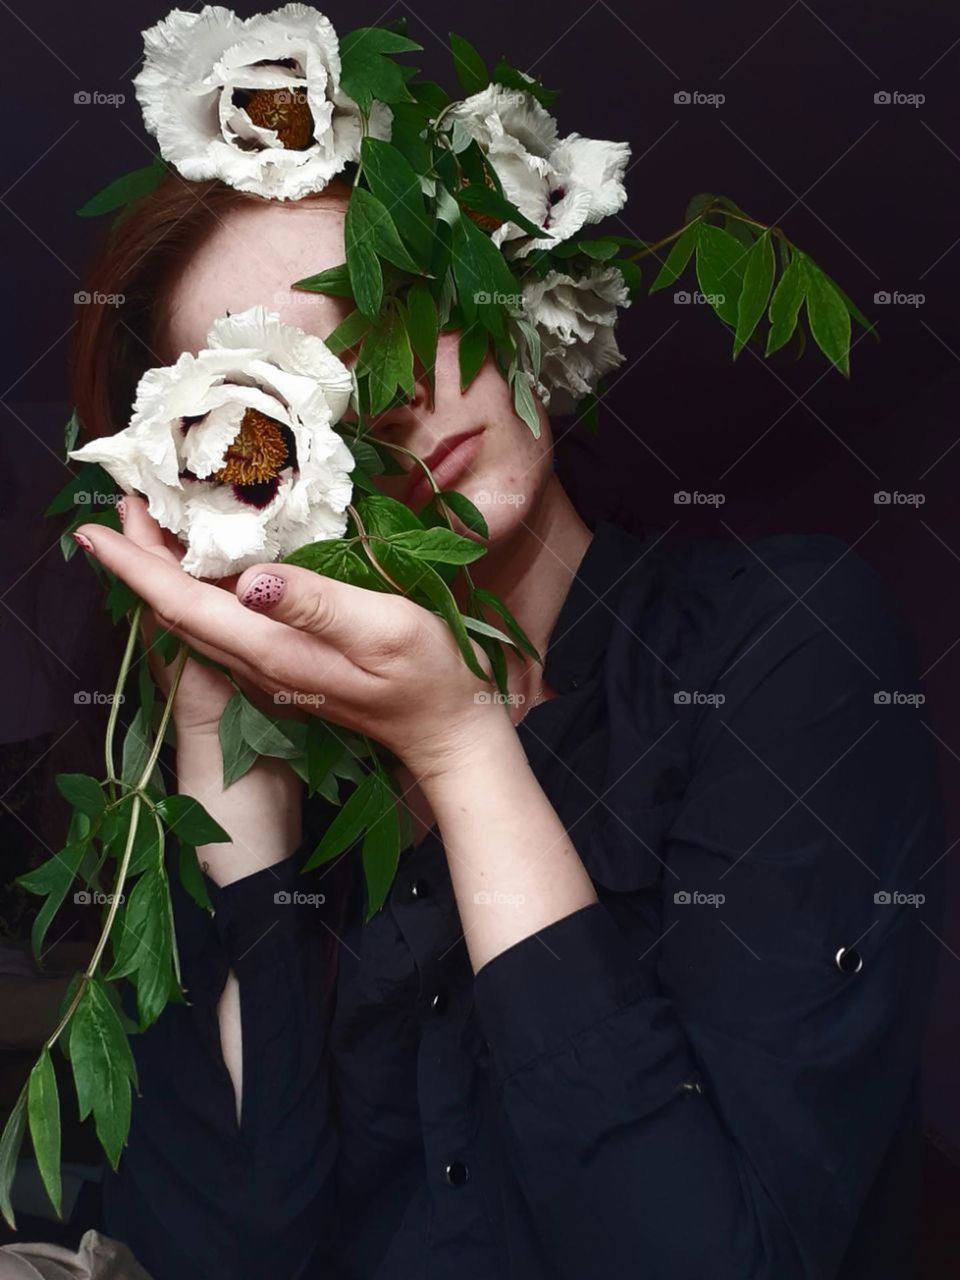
x=71, y=433
x=367, y=73
x=166, y=646
x=352, y=819
x=103, y=1068
x=338, y=559
x=827, y=314
x=237, y=753
x=380, y=852
x=335, y=281
x=505, y=74
x=427, y=587
x=480, y=628
x=720, y=263
x=189, y=821
x=387, y=360
x=601, y=249
x=348, y=332
x=525, y=404
x=324, y=748
x=10, y=1144
x=371, y=220
x=137, y=744
x=423, y=325
x=785, y=306
x=191, y=877
x=757, y=282
x=146, y=945
x=366, y=274
x=53, y=879
x=395, y=183
x=131, y=186
x=470, y=68
x=82, y=791
x=89, y=485
x=465, y=511
x=517, y=633
x=472, y=352
x=384, y=516
x=698, y=205
x=148, y=845
x=43, y=1109
x=483, y=199
x=438, y=544
x=481, y=274
x=267, y=735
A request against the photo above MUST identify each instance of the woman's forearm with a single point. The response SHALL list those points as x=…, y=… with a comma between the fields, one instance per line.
x=513, y=866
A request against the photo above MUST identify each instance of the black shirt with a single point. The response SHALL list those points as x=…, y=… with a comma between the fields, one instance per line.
x=711, y=1072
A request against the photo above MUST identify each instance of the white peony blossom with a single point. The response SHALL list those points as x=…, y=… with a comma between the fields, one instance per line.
x=574, y=319
x=256, y=103
x=561, y=184
x=234, y=448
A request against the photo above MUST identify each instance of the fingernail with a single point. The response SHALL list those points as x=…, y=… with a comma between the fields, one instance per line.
x=83, y=542
x=263, y=592
x=122, y=510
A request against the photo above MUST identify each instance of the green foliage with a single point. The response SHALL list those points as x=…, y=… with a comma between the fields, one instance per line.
x=123, y=191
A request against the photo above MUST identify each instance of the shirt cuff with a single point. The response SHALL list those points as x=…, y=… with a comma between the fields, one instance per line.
x=539, y=994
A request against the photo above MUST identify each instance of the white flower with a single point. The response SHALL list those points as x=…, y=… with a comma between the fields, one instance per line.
x=234, y=448
x=254, y=102
x=574, y=319
x=561, y=184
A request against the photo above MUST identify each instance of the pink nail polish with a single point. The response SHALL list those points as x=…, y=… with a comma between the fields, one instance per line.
x=263, y=592
x=83, y=542
x=122, y=509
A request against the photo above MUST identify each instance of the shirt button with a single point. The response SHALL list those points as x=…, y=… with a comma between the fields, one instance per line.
x=456, y=1173
x=849, y=960
x=419, y=889
x=438, y=1002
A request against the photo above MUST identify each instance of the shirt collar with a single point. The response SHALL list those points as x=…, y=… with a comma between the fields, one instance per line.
x=582, y=629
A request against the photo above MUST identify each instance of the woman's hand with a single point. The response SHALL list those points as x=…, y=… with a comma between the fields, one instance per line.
x=376, y=664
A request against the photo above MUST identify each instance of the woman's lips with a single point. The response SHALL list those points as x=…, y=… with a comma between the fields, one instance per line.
x=448, y=461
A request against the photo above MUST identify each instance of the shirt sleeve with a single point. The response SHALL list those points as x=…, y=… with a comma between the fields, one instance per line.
x=724, y=1110
x=197, y=1196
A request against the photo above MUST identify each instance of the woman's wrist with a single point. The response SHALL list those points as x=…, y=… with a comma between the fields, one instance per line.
x=261, y=811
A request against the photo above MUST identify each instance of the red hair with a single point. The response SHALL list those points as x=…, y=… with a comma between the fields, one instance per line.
x=141, y=259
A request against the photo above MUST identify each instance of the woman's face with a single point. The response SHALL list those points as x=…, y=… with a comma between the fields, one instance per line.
x=473, y=442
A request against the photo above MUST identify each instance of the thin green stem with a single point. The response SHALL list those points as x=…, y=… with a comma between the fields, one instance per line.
x=118, y=693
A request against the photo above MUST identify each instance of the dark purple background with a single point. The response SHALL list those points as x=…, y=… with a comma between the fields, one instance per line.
x=871, y=191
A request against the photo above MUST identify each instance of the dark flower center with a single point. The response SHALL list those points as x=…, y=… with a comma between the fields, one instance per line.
x=258, y=452
x=287, y=112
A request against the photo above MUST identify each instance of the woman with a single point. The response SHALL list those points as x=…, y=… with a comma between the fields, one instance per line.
x=645, y=997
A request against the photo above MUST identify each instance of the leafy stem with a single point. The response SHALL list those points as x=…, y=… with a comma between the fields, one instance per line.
x=115, y=705
x=367, y=539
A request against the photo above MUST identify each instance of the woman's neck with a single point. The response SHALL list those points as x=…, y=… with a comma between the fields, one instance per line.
x=531, y=571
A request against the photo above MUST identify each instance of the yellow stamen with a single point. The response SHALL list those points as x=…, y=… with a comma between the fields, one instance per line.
x=256, y=453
